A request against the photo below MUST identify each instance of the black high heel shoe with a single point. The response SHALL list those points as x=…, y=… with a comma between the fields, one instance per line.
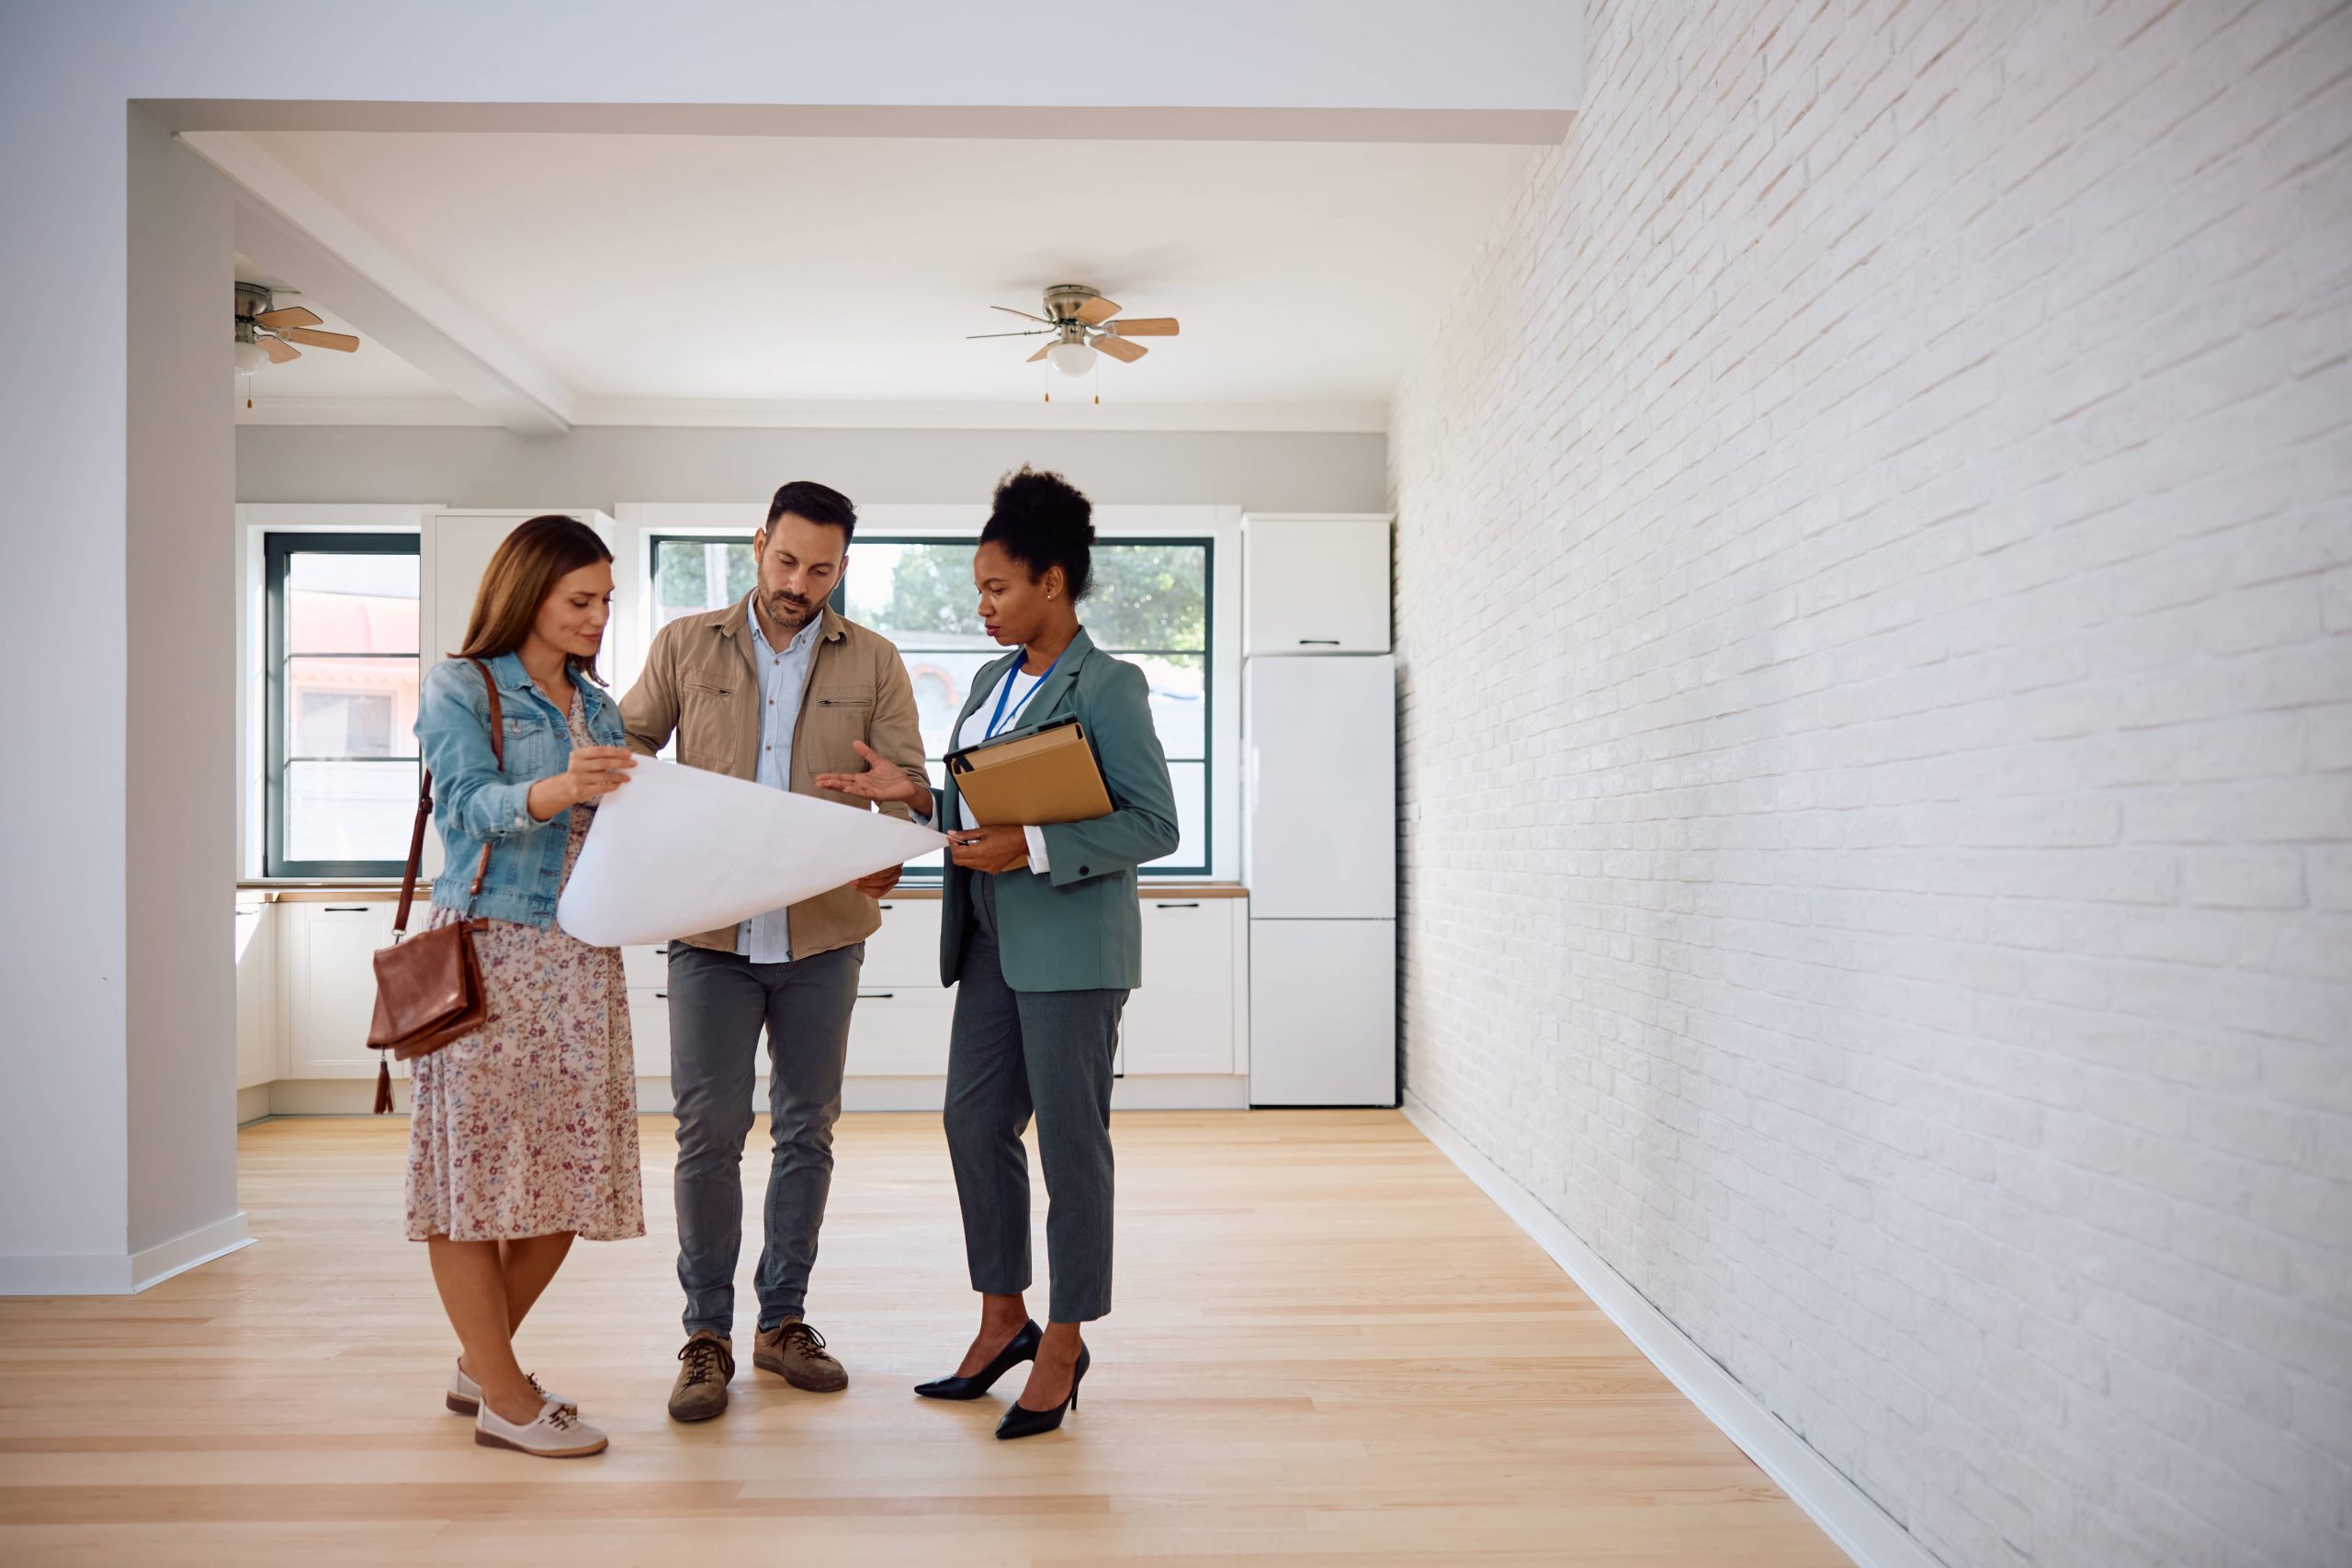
x=1021, y=1421
x=1023, y=1347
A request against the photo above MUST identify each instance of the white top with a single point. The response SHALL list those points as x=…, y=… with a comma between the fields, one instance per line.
x=975, y=730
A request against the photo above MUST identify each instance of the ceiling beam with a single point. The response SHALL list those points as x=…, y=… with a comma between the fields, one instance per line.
x=288, y=227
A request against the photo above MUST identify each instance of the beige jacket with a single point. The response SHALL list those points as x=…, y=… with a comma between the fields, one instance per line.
x=699, y=685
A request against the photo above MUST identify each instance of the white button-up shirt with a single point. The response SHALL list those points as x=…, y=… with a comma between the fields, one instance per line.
x=784, y=677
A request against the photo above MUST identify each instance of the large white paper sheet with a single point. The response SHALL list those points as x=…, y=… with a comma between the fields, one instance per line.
x=677, y=850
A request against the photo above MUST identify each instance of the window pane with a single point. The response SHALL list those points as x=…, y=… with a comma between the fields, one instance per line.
x=918, y=595
x=1192, y=782
x=339, y=603
x=694, y=575
x=1179, y=701
x=349, y=810
x=351, y=707
x=1150, y=596
x=942, y=680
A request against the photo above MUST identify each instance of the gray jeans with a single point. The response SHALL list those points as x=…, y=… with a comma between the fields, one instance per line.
x=1010, y=1053
x=718, y=1003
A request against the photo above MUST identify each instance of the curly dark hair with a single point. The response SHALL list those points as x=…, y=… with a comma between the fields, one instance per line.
x=1041, y=521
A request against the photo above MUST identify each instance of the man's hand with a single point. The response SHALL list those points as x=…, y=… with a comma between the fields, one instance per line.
x=991, y=850
x=881, y=781
x=878, y=884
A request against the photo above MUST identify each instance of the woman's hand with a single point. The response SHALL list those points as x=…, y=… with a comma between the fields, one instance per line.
x=881, y=781
x=991, y=850
x=596, y=772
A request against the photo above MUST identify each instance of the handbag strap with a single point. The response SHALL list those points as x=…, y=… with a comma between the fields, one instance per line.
x=424, y=812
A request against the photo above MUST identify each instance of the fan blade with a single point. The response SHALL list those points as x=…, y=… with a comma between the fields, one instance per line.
x=1032, y=332
x=1023, y=314
x=279, y=353
x=1040, y=354
x=292, y=316
x=1120, y=348
x=1097, y=310
x=1145, y=326
x=341, y=342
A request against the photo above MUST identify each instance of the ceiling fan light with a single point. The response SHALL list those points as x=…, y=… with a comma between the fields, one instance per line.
x=250, y=358
x=1071, y=358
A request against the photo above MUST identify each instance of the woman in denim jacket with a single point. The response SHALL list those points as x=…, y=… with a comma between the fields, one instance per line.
x=523, y=1134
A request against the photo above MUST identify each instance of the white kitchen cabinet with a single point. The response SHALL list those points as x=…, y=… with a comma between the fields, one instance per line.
x=330, y=984
x=1181, y=1019
x=646, y=965
x=649, y=1030
x=901, y=1031
x=1314, y=584
x=256, y=929
x=905, y=952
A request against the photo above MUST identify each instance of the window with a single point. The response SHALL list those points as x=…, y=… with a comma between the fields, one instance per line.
x=340, y=704
x=1150, y=605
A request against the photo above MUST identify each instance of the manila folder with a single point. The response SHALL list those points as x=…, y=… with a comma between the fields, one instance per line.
x=1044, y=776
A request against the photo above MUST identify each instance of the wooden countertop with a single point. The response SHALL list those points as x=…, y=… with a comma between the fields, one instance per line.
x=389, y=890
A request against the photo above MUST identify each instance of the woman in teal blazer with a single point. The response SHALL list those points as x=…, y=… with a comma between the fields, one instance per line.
x=1043, y=939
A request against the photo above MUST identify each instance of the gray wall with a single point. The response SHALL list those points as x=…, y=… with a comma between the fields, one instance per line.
x=599, y=466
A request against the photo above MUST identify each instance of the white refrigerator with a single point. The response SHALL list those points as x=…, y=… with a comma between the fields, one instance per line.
x=1319, y=857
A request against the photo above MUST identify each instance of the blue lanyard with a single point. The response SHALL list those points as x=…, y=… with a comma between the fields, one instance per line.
x=997, y=720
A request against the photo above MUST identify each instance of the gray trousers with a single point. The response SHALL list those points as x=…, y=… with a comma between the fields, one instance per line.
x=1010, y=1053
x=718, y=1003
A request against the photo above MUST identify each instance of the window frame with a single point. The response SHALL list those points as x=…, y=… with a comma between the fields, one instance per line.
x=278, y=546
x=1207, y=653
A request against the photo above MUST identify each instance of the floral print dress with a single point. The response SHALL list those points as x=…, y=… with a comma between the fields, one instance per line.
x=528, y=1125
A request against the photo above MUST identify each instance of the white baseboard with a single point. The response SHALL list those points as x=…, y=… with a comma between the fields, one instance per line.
x=252, y=1104
x=1859, y=1527
x=153, y=1265
x=121, y=1273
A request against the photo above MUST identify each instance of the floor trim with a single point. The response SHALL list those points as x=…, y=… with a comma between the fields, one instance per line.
x=1859, y=1527
x=153, y=1265
x=122, y=1273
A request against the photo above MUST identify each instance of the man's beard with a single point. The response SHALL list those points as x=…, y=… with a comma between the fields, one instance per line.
x=787, y=614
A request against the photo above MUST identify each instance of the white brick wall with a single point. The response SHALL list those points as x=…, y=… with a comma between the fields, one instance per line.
x=1874, y=592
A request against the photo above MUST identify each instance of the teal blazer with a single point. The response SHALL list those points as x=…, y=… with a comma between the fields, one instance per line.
x=1080, y=926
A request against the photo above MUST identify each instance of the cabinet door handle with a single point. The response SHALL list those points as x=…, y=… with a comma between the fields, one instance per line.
x=661, y=995
x=1319, y=642
x=887, y=906
x=664, y=950
x=876, y=995
x=1176, y=905
x=343, y=908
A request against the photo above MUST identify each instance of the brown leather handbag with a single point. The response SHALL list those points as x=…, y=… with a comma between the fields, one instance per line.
x=428, y=986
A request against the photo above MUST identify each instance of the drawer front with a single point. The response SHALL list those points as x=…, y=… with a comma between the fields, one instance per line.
x=900, y=1031
x=649, y=1030
x=646, y=965
x=905, y=952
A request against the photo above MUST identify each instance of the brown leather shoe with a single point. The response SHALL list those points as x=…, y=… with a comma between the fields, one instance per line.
x=704, y=1365
x=796, y=1352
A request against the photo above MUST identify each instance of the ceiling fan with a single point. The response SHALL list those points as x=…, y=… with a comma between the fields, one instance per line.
x=1079, y=321
x=267, y=333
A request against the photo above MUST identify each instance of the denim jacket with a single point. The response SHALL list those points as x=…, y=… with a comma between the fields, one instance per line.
x=475, y=802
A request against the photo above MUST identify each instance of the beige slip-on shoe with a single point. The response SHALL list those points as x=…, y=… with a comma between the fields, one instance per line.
x=465, y=1394
x=555, y=1433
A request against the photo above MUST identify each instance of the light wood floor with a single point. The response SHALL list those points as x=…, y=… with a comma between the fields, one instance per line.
x=1329, y=1349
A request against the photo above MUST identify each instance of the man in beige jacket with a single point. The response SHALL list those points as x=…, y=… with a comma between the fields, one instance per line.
x=775, y=689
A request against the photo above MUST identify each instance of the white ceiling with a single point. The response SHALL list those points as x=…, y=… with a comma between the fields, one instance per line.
x=688, y=269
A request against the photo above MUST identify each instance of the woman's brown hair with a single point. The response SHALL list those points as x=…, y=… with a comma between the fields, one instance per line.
x=522, y=571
